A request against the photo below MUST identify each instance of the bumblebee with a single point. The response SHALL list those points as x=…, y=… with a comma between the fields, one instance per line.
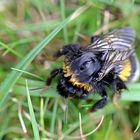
x=109, y=61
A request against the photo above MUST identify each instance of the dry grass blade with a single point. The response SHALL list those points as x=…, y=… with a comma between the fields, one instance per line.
x=88, y=134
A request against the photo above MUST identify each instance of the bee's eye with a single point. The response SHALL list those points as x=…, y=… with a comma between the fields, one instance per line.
x=81, y=68
x=85, y=65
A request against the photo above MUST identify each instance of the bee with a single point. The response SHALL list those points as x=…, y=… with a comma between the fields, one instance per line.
x=109, y=61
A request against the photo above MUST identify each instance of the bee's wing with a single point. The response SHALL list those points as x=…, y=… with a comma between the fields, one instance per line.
x=116, y=46
x=121, y=39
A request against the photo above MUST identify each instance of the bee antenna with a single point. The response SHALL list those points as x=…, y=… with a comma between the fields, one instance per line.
x=39, y=88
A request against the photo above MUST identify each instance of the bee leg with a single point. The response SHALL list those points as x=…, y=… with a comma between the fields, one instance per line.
x=59, y=53
x=116, y=96
x=116, y=92
x=53, y=74
x=101, y=103
x=115, y=80
x=114, y=86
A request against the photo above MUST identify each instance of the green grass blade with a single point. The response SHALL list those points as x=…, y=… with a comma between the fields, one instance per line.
x=11, y=79
x=4, y=126
x=129, y=96
x=108, y=131
x=10, y=49
x=33, y=120
x=138, y=125
x=28, y=73
x=62, y=6
x=77, y=30
x=54, y=116
x=42, y=123
x=38, y=5
x=19, y=43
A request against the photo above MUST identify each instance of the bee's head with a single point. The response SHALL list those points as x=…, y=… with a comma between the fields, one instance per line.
x=85, y=67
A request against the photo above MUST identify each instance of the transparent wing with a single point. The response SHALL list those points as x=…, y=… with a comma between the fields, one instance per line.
x=121, y=39
x=115, y=46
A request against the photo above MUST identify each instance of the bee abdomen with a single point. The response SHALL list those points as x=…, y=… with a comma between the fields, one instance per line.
x=66, y=89
x=130, y=69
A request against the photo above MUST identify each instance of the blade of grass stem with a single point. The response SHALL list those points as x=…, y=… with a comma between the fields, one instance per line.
x=62, y=6
x=138, y=125
x=54, y=116
x=28, y=73
x=11, y=50
x=33, y=120
x=42, y=117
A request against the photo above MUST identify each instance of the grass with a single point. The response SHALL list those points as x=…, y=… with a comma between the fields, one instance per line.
x=30, y=33
x=33, y=120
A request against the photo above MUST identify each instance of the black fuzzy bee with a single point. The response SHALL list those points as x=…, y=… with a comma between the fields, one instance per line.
x=108, y=62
